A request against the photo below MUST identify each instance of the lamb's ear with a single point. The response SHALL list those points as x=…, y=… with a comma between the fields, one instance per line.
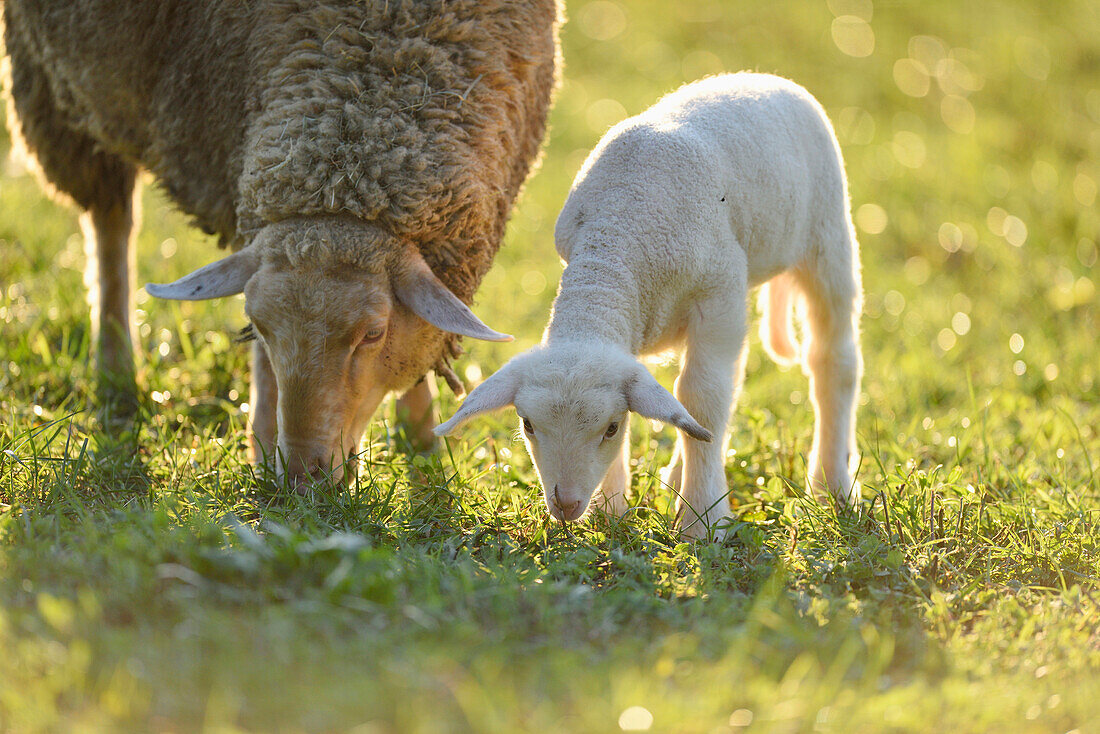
x=226, y=277
x=416, y=286
x=499, y=391
x=646, y=397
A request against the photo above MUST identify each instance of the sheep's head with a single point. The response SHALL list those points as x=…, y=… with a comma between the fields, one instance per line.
x=573, y=402
x=340, y=332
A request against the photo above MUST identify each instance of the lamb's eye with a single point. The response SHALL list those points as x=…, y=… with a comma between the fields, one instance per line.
x=528, y=427
x=373, y=336
x=611, y=430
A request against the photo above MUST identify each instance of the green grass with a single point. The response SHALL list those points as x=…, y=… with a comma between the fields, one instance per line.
x=150, y=581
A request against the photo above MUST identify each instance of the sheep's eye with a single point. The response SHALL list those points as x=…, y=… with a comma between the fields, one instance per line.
x=373, y=335
x=611, y=430
x=528, y=427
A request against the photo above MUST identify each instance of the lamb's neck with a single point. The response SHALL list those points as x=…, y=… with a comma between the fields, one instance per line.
x=597, y=301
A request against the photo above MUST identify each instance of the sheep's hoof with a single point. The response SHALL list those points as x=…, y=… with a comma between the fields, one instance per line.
x=415, y=440
x=116, y=398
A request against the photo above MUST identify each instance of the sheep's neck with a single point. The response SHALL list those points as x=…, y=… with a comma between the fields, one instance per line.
x=594, y=304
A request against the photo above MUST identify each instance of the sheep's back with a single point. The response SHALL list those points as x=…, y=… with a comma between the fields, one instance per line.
x=419, y=117
x=162, y=85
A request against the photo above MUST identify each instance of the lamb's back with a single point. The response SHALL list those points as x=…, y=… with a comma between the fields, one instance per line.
x=762, y=140
x=749, y=154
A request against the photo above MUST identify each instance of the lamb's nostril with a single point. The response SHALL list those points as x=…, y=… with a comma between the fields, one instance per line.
x=568, y=511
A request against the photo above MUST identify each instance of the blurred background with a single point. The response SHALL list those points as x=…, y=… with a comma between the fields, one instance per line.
x=971, y=133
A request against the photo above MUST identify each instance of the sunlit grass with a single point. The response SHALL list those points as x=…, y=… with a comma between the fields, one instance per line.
x=150, y=579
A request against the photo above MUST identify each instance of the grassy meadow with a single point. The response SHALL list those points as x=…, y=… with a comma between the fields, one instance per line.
x=149, y=581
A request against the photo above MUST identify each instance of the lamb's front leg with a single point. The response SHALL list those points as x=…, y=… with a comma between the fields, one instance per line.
x=263, y=406
x=707, y=387
x=611, y=496
x=673, y=472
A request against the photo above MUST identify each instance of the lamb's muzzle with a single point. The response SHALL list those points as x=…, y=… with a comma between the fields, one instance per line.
x=568, y=508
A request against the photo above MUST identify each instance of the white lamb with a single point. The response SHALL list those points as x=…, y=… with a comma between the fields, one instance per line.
x=728, y=183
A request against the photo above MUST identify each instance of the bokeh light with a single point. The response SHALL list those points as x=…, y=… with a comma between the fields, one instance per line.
x=853, y=36
x=602, y=20
x=635, y=718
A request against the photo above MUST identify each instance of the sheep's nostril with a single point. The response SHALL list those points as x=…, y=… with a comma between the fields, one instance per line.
x=306, y=469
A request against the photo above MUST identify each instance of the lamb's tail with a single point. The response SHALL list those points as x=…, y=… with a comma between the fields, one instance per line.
x=777, y=324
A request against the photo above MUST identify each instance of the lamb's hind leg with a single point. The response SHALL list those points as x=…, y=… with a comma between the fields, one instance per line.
x=834, y=366
x=707, y=387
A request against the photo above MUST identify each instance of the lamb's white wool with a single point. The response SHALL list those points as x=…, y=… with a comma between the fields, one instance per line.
x=726, y=184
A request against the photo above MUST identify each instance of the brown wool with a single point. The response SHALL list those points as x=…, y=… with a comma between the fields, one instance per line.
x=417, y=119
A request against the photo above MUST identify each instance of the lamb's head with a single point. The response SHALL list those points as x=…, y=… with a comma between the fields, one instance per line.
x=573, y=402
x=345, y=315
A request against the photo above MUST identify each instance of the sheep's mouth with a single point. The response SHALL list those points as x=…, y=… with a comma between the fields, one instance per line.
x=339, y=475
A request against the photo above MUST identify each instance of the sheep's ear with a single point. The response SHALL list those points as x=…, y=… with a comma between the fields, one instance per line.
x=416, y=286
x=646, y=397
x=226, y=277
x=499, y=391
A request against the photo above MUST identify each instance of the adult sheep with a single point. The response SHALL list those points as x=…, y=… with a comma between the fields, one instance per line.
x=360, y=158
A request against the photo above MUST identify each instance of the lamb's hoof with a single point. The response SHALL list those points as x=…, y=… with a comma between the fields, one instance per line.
x=846, y=498
x=849, y=502
x=704, y=530
x=614, y=506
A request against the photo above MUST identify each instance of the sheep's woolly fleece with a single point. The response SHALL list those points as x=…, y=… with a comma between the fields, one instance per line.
x=414, y=116
x=418, y=118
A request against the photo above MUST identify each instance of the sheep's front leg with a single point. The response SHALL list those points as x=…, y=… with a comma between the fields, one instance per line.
x=707, y=387
x=611, y=496
x=416, y=417
x=263, y=405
